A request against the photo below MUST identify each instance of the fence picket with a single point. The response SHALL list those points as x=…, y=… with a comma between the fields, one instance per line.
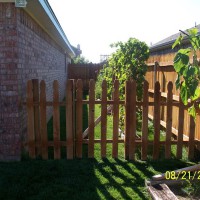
x=69, y=120
x=91, y=118
x=132, y=136
x=169, y=121
x=103, y=119
x=145, y=121
x=180, y=129
x=30, y=120
x=127, y=119
x=156, y=143
x=36, y=116
x=191, y=138
x=43, y=121
x=115, y=119
x=56, y=120
x=79, y=120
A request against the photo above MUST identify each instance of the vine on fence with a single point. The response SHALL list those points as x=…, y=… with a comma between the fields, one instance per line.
x=188, y=73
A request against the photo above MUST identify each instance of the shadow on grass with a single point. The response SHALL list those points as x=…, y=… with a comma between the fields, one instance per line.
x=75, y=179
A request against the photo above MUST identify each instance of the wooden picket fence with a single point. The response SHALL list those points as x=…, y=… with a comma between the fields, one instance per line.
x=38, y=143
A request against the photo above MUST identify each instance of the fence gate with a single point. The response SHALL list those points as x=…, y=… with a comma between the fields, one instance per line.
x=39, y=144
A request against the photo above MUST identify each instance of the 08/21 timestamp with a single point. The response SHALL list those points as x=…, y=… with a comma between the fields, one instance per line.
x=183, y=175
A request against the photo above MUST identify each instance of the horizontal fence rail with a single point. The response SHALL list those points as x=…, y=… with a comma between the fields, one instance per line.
x=39, y=144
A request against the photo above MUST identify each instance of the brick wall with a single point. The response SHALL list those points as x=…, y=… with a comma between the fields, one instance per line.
x=26, y=52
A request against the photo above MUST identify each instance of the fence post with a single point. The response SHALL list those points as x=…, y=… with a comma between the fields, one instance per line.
x=130, y=120
x=69, y=120
x=36, y=115
x=30, y=120
x=127, y=119
x=169, y=121
x=56, y=120
x=180, y=129
x=74, y=114
x=133, y=119
x=43, y=121
x=198, y=128
x=145, y=121
x=156, y=142
x=103, y=119
x=91, y=118
x=115, y=119
x=191, y=143
x=79, y=120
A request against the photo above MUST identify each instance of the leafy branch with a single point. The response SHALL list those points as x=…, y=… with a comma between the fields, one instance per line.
x=188, y=73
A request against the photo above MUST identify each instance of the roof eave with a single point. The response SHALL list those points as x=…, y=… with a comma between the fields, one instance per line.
x=52, y=17
x=41, y=12
x=166, y=45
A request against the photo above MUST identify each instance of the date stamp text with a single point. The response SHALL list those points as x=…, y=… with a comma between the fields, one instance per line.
x=183, y=175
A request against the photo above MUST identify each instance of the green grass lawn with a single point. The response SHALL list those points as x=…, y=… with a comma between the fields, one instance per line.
x=82, y=178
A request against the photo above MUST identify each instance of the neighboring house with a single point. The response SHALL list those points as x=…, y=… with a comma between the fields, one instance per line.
x=77, y=50
x=32, y=46
x=162, y=51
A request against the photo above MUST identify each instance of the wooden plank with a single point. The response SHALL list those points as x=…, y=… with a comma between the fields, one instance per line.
x=69, y=120
x=36, y=115
x=43, y=121
x=97, y=121
x=138, y=142
x=56, y=120
x=145, y=121
x=103, y=119
x=74, y=114
x=161, y=192
x=197, y=134
x=174, y=131
x=191, y=138
x=30, y=119
x=157, y=98
x=169, y=121
x=121, y=102
x=91, y=118
x=79, y=118
x=169, y=182
x=127, y=118
x=180, y=130
x=132, y=137
x=115, y=119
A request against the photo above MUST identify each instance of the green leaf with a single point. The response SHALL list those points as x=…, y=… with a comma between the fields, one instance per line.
x=192, y=86
x=196, y=94
x=177, y=42
x=193, y=31
x=177, y=83
x=192, y=111
x=183, y=54
x=184, y=93
x=189, y=71
x=181, y=59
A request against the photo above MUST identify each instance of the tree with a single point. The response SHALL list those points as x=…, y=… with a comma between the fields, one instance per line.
x=126, y=63
x=188, y=73
x=80, y=60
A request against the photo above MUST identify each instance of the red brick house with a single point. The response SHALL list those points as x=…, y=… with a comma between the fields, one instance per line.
x=32, y=46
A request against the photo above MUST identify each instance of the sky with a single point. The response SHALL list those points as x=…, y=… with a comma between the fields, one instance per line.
x=95, y=24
